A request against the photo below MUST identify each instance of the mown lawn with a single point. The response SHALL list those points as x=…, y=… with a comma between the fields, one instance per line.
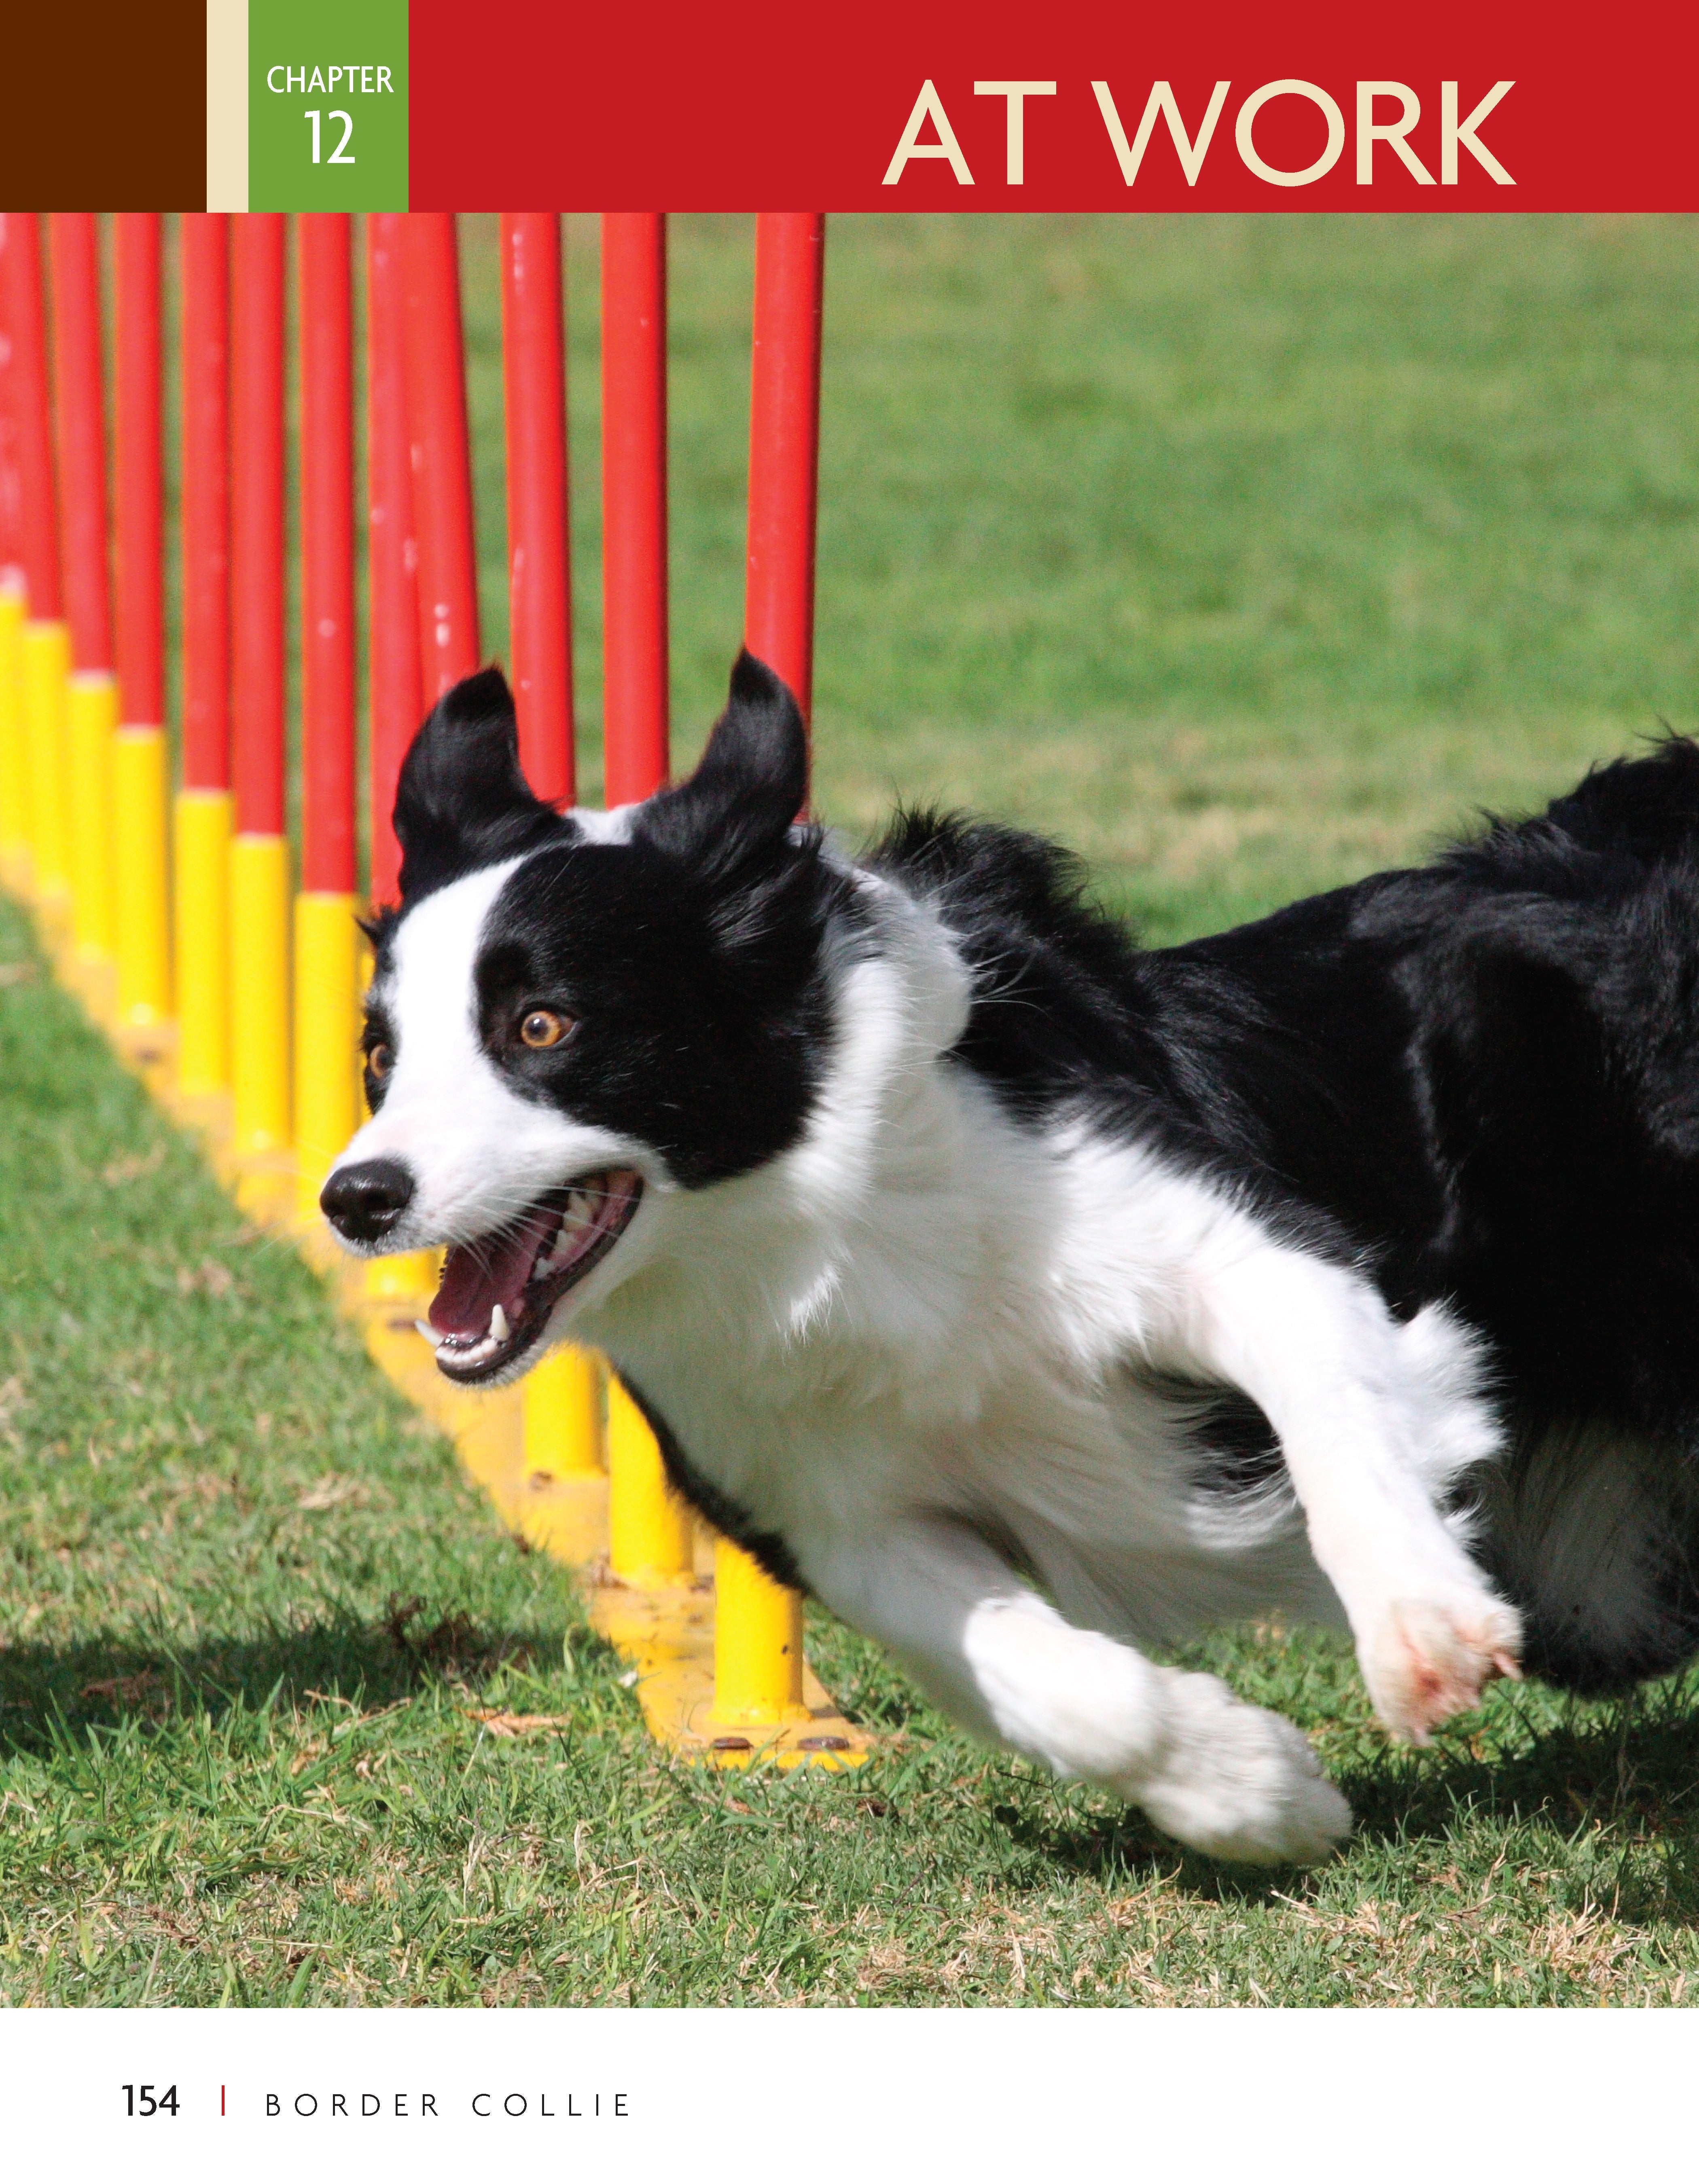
x=1248, y=554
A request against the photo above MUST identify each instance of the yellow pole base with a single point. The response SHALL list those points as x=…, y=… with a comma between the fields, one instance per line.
x=563, y=1416
x=757, y=1644
x=200, y=913
x=259, y=1026
x=141, y=892
x=650, y=1540
x=44, y=665
x=91, y=723
x=15, y=860
x=326, y=1036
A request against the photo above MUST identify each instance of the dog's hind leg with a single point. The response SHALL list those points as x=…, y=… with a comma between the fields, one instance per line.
x=1229, y=1779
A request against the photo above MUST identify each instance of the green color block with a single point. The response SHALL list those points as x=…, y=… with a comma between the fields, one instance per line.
x=328, y=105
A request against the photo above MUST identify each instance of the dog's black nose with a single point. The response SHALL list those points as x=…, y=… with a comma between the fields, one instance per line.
x=364, y=1202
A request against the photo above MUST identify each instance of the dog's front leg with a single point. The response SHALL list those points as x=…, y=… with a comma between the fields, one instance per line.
x=1316, y=1347
x=1229, y=1779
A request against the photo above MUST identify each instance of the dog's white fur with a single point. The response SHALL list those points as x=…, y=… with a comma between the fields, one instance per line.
x=925, y=1327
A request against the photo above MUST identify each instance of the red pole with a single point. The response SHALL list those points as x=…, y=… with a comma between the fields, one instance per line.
x=784, y=445
x=80, y=402
x=328, y=857
x=635, y=699
x=11, y=484
x=205, y=238
x=137, y=472
x=442, y=478
x=539, y=566
x=257, y=507
x=32, y=410
x=398, y=704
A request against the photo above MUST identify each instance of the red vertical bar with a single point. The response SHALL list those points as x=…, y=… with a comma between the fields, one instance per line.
x=257, y=524
x=11, y=483
x=539, y=568
x=784, y=445
x=328, y=857
x=441, y=466
x=635, y=701
x=205, y=237
x=398, y=704
x=137, y=472
x=80, y=402
x=32, y=409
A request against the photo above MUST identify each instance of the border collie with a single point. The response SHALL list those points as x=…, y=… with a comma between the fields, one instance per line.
x=1028, y=1297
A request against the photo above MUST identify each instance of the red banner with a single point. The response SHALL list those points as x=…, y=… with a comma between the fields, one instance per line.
x=917, y=105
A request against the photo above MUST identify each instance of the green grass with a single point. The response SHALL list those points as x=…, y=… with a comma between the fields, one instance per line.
x=1246, y=553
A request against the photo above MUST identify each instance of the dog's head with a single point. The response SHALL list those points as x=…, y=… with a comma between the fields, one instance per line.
x=575, y=1017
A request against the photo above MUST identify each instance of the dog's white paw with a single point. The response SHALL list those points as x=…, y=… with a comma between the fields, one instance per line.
x=1425, y=1660
x=1237, y=1782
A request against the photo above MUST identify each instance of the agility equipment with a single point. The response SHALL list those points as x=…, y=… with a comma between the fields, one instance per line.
x=327, y=937
x=260, y=876
x=211, y=928
x=205, y=810
x=141, y=894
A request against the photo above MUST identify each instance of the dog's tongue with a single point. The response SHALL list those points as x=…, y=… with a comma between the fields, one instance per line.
x=478, y=1277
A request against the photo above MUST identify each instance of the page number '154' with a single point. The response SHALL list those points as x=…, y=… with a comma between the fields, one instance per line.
x=341, y=157
x=143, y=2101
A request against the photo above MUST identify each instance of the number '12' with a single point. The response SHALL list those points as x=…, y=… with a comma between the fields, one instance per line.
x=341, y=157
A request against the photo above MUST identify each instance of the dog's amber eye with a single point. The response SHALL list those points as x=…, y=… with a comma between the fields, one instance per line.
x=542, y=1028
x=380, y=1060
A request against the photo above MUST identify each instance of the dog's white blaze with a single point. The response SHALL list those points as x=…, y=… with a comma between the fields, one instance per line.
x=478, y=1153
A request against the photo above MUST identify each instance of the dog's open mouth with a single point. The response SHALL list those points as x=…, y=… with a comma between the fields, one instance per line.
x=498, y=1292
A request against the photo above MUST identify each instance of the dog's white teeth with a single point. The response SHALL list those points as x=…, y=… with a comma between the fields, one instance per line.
x=429, y=1333
x=499, y=1326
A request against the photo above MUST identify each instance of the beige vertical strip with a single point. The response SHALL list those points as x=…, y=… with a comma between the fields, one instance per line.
x=226, y=105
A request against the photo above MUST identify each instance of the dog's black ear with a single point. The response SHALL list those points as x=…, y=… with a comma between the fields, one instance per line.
x=736, y=811
x=461, y=801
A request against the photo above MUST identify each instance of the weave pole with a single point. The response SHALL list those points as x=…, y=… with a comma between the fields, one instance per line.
x=784, y=446
x=140, y=866
x=434, y=364
x=326, y=938
x=204, y=816
x=14, y=777
x=398, y=702
x=636, y=704
x=91, y=691
x=11, y=484
x=534, y=389
x=757, y=1623
x=259, y=909
x=650, y=1538
x=562, y=1396
x=44, y=642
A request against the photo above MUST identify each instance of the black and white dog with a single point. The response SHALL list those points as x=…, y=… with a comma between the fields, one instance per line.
x=1026, y=1296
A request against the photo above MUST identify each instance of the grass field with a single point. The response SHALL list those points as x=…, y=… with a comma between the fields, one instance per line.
x=1246, y=553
